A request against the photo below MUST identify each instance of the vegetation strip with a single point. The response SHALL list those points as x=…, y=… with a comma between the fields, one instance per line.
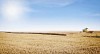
x=37, y=33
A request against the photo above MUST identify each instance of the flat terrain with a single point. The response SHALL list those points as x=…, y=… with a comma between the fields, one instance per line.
x=72, y=43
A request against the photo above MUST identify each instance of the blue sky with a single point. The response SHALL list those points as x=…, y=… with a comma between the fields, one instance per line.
x=49, y=15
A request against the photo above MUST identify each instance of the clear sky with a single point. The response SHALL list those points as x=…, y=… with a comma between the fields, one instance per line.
x=49, y=15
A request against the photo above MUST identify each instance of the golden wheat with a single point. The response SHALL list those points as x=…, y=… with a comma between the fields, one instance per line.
x=48, y=44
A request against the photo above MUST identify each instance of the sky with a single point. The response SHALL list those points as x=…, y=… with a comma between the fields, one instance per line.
x=49, y=15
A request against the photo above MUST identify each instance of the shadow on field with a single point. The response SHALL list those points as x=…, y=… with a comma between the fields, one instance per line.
x=93, y=36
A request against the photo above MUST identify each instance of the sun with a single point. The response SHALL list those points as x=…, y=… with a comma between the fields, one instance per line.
x=12, y=11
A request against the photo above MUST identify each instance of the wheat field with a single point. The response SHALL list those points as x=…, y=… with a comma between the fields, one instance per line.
x=72, y=43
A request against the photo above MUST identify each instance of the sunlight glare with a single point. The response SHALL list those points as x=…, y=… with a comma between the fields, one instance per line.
x=12, y=11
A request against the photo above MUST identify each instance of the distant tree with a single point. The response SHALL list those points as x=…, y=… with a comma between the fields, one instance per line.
x=85, y=30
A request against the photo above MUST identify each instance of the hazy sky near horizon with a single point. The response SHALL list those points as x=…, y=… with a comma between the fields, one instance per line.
x=49, y=15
